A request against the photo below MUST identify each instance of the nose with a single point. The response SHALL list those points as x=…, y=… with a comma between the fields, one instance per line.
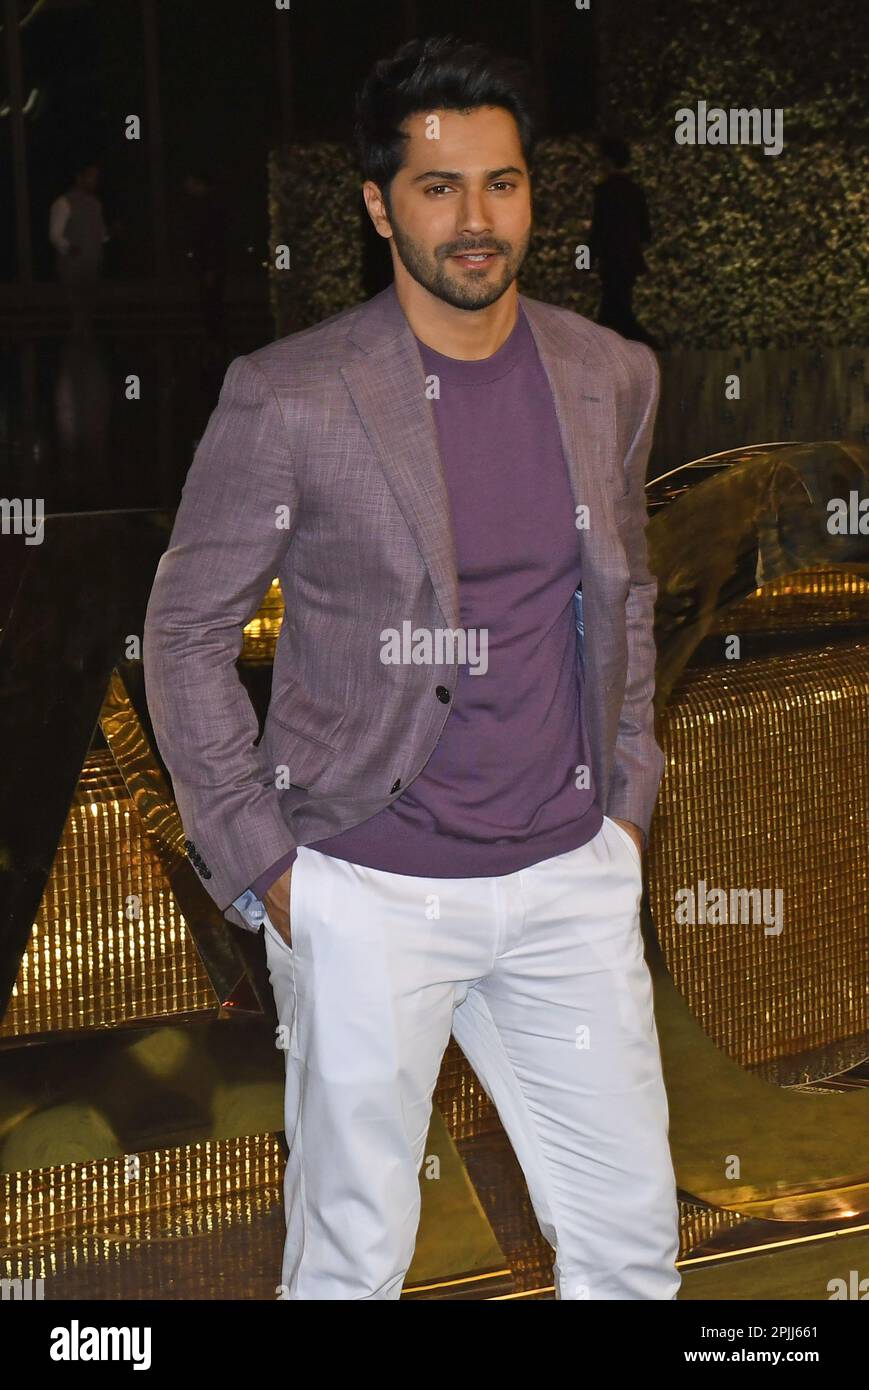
x=472, y=214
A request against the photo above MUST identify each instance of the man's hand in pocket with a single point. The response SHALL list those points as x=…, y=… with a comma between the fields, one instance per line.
x=634, y=831
x=277, y=905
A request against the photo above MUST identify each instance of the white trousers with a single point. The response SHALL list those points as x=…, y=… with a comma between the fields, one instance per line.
x=540, y=975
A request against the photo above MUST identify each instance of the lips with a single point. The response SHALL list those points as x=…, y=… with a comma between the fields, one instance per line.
x=475, y=258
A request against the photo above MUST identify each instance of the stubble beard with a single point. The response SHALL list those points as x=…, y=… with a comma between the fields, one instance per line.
x=433, y=273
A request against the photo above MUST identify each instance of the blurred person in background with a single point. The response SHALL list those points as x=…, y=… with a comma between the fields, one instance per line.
x=620, y=229
x=78, y=233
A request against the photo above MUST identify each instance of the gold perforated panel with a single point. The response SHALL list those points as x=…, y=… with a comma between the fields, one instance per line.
x=109, y=944
x=261, y=633
x=765, y=788
x=818, y=597
x=79, y=1214
x=94, y=1221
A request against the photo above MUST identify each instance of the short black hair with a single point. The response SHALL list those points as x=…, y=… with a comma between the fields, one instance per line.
x=437, y=74
x=615, y=149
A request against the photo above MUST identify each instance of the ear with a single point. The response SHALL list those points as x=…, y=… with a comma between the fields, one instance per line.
x=376, y=208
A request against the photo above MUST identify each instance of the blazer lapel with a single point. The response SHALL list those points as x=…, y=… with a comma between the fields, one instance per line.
x=387, y=383
x=585, y=407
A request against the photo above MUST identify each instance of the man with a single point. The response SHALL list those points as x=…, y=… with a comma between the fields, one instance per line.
x=436, y=843
x=619, y=231
x=78, y=232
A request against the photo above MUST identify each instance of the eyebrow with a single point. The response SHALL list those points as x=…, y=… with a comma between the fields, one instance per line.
x=453, y=176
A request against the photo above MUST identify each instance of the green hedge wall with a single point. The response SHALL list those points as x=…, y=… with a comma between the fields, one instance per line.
x=749, y=249
x=658, y=55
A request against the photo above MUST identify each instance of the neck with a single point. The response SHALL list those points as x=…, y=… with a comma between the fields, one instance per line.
x=468, y=334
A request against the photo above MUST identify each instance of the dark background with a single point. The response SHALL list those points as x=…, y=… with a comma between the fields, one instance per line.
x=219, y=80
x=758, y=264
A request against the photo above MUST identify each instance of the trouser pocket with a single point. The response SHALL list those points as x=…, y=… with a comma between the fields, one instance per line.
x=282, y=966
x=627, y=840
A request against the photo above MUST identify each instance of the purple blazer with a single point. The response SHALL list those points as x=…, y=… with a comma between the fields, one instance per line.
x=320, y=465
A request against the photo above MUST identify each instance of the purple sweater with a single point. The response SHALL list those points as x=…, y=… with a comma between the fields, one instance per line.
x=499, y=791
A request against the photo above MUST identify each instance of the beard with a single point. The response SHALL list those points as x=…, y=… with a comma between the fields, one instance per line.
x=455, y=286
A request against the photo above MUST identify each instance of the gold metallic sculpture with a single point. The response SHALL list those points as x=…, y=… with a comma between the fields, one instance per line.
x=740, y=1142
x=745, y=552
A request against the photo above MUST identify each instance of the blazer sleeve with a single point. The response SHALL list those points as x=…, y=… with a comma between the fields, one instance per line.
x=231, y=532
x=638, y=761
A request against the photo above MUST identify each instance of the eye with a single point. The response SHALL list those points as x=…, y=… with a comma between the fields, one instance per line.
x=503, y=183
x=435, y=186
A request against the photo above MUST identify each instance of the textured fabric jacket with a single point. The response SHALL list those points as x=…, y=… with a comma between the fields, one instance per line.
x=320, y=466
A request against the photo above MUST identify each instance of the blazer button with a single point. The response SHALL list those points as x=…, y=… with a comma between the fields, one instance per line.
x=443, y=694
x=395, y=786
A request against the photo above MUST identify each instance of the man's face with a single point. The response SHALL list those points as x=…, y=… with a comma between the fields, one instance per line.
x=467, y=190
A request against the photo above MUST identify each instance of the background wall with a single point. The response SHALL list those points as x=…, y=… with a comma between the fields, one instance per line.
x=731, y=288
x=658, y=55
x=749, y=249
